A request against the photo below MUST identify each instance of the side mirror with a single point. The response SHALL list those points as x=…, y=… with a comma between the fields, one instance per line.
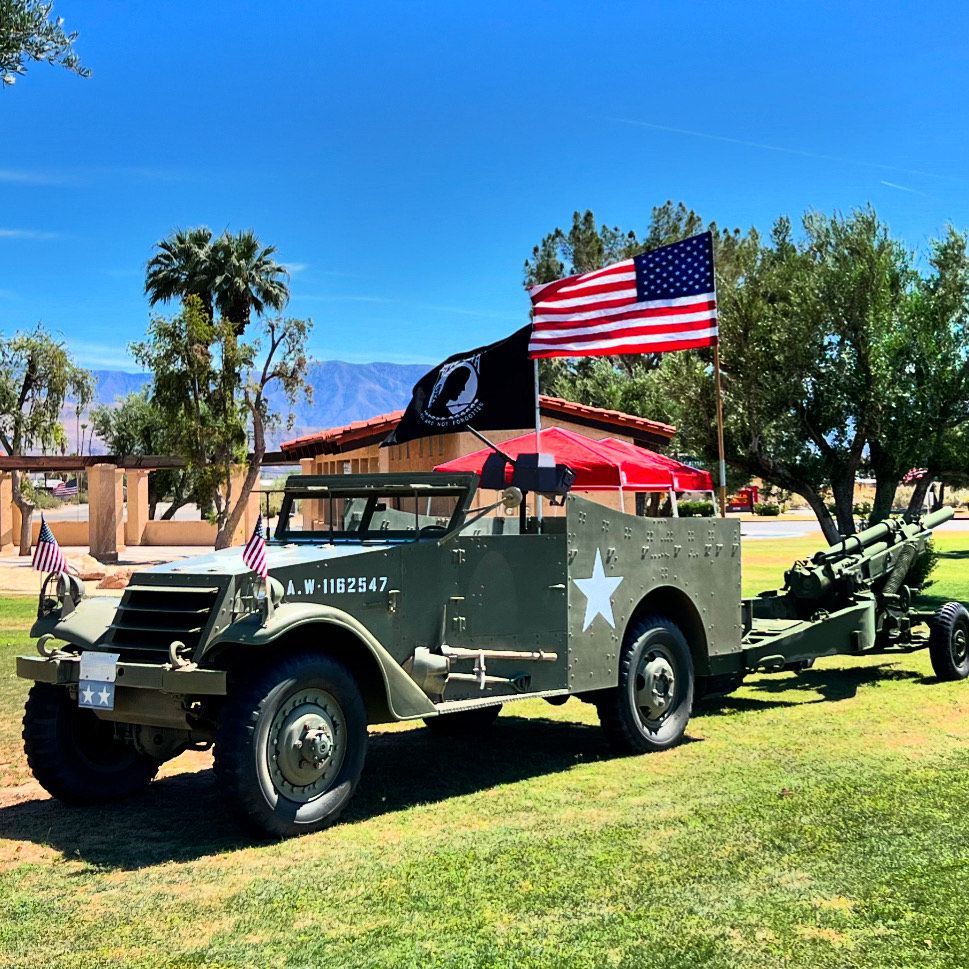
x=511, y=498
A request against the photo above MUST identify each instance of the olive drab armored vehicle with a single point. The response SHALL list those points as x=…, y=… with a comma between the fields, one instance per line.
x=390, y=599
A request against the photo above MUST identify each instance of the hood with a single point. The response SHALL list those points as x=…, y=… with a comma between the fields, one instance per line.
x=228, y=561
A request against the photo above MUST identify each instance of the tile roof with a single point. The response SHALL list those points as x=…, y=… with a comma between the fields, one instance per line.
x=334, y=440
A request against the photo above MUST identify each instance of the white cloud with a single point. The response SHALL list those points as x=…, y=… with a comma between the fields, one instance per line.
x=21, y=177
x=294, y=268
x=102, y=356
x=32, y=234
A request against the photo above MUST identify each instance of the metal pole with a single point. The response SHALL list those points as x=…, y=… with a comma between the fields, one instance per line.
x=723, y=461
x=538, y=436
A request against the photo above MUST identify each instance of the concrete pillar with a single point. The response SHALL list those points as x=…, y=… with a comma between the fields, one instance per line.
x=248, y=520
x=312, y=510
x=134, y=528
x=8, y=537
x=106, y=511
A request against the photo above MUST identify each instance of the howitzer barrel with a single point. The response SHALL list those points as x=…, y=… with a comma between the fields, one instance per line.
x=883, y=531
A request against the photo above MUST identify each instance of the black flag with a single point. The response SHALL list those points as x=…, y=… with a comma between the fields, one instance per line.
x=490, y=388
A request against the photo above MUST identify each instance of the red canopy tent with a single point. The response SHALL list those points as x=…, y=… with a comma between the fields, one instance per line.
x=609, y=465
x=684, y=477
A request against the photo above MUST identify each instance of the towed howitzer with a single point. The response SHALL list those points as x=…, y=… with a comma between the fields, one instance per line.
x=873, y=564
x=879, y=558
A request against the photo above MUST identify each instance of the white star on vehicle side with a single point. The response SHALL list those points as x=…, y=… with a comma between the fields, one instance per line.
x=598, y=590
x=105, y=696
x=88, y=694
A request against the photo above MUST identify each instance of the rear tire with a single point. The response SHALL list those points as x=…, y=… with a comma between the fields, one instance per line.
x=949, y=642
x=75, y=756
x=650, y=707
x=464, y=723
x=290, y=745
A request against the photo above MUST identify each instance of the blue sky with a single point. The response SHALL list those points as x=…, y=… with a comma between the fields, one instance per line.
x=405, y=157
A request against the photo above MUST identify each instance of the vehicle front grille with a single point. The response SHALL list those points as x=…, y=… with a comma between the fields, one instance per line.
x=150, y=617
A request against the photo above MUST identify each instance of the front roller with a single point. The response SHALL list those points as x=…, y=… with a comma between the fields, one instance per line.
x=290, y=744
x=650, y=707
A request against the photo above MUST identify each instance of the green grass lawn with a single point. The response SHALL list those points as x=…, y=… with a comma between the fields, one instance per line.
x=813, y=821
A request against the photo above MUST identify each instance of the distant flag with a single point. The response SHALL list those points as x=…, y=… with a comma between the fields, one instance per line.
x=48, y=556
x=656, y=302
x=913, y=475
x=66, y=489
x=254, y=554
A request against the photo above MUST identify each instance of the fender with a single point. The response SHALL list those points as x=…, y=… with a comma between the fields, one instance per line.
x=405, y=699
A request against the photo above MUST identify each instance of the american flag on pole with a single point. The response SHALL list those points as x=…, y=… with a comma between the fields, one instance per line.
x=656, y=302
x=66, y=489
x=48, y=556
x=254, y=554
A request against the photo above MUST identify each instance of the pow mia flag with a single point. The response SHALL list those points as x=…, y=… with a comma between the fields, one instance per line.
x=490, y=388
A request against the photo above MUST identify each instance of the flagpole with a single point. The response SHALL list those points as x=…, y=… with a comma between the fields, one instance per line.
x=538, y=436
x=718, y=386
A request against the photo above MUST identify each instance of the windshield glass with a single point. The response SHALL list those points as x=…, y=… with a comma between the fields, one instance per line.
x=370, y=516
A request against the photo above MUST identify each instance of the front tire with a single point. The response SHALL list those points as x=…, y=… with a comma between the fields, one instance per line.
x=650, y=707
x=949, y=642
x=291, y=743
x=75, y=756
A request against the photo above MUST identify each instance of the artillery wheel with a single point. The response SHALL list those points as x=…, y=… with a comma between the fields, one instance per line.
x=75, y=756
x=291, y=743
x=650, y=707
x=463, y=723
x=949, y=642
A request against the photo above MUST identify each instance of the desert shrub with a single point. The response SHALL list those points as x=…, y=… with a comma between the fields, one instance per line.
x=693, y=509
x=767, y=509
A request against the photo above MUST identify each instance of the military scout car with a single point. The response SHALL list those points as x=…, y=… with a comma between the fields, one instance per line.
x=390, y=599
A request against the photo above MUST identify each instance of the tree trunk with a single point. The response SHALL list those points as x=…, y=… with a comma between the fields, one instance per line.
x=885, y=488
x=914, y=509
x=940, y=497
x=843, y=491
x=828, y=527
x=234, y=510
x=26, y=511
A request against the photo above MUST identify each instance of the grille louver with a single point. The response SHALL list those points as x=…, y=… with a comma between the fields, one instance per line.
x=151, y=616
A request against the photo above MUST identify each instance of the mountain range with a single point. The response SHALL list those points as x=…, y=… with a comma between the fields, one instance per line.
x=342, y=392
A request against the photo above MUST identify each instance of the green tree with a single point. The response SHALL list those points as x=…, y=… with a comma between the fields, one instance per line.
x=811, y=331
x=182, y=266
x=924, y=407
x=37, y=377
x=136, y=425
x=27, y=33
x=234, y=275
x=212, y=392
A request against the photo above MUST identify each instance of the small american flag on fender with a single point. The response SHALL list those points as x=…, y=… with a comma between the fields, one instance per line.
x=254, y=554
x=656, y=302
x=48, y=556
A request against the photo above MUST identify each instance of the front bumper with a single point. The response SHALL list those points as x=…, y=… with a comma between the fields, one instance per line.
x=63, y=671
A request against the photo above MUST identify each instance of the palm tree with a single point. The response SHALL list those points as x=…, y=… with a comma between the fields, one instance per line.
x=182, y=266
x=246, y=278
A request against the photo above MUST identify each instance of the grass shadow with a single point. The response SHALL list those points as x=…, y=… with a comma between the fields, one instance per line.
x=837, y=684
x=183, y=817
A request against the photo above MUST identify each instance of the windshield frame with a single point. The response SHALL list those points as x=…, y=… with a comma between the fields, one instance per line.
x=372, y=488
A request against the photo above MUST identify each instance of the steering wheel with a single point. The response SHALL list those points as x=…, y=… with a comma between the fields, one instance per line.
x=430, y=531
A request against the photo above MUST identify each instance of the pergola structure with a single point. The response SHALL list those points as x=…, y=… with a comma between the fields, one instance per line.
x=117, y=504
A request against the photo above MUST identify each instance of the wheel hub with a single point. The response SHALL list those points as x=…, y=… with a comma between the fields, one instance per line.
x=306, y=744
x=960, y=645
x=655, y=687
